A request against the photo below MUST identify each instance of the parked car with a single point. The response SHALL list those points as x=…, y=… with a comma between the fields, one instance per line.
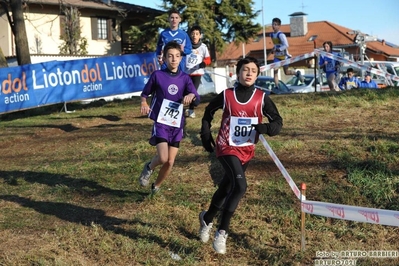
x=295, y=84
x=386, y=66
x=267, y=84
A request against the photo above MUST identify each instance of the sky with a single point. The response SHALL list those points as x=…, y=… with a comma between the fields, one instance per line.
x=378, y=18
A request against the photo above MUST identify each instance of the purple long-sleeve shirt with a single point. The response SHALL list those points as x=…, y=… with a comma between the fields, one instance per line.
x=165, y=85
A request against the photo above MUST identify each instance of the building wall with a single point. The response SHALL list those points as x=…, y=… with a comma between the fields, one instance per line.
x=43, y=33
x=5, y=40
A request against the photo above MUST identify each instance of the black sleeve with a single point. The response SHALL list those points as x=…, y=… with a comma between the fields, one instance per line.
x=215, y=104
x=196, y=101
x=275, y=120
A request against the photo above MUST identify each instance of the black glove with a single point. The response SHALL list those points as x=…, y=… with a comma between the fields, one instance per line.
x=207, y=141
x=260, y=128
x=206, y=137
x=202, y=65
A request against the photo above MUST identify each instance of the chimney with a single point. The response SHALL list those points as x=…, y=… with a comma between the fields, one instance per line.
x=383, y=42
x=298, y=24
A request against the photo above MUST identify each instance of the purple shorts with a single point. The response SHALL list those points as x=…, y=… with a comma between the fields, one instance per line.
x=160, y=132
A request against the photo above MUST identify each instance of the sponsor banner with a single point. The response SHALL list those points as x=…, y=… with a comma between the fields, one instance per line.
x=35, y=85
x=352, y=213
x=280, y=166
x=357, y=65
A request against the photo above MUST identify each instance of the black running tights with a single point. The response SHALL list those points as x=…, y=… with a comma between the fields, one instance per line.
x=229, y=192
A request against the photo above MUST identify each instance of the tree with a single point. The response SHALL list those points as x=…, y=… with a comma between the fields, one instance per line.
x=222, y=21
x=17, y=25
x=73, y=43
x=3, y=61
x=145, y=36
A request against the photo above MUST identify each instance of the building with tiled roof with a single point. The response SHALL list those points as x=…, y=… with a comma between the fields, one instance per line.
x=303, y=37
x=103, y=24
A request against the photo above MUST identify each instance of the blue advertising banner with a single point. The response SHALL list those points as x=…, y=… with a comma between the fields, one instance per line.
x=35, y=85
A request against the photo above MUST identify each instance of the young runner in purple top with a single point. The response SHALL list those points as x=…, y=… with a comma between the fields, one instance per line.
x=170, y=88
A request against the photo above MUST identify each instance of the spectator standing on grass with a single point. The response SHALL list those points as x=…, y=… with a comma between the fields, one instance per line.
x=368, y=83
x=196, y=61
x=280, y=51
x=350, y=81
x=244, y=107
x=170, y=88
x=330, y=66
x=173, y=33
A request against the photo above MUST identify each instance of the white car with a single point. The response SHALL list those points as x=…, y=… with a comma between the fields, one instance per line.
x=297, y=86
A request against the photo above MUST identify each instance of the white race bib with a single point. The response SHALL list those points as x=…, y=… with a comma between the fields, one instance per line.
x=192, y=61
x=279, y=53
x=170, y=113
x=241, y=132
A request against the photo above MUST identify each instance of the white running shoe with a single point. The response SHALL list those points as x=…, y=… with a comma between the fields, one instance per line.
x=154, y=189
x=191, y=113
x=204, y=229
x=219, y=244
x=145, y=175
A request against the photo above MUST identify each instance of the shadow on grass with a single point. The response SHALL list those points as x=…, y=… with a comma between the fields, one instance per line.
x=70, y=128
x=273, y=252
x=89, y=217
x=79, y=185
x=59, y=107
x=63, y=127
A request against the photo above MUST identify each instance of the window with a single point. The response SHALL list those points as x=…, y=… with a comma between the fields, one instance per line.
x=102, y=28
x=312, y=38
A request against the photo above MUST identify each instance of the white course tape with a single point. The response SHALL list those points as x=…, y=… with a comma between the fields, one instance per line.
x=357, y=65
x=214, y=73
x=281, y=167
x=338, y=211
x=287, y=61
x=353, y=213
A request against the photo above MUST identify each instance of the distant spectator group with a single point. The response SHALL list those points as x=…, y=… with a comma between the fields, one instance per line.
x=350, y=81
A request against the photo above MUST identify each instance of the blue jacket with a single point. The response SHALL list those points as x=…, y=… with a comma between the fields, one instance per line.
x=181, y=37
x=368, y=85
x=348, y=83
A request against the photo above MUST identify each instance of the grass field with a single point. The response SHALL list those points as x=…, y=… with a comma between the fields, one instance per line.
x=69, y=192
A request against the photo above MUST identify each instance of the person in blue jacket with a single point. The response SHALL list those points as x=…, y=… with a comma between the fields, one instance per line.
x=330, y=66
x=173, y=33
x=350, y=81
x=368, y=83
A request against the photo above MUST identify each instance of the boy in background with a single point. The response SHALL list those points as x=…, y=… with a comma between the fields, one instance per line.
x=196, y=62
x=173, y=33
x=280, y=51
x=170, y=88
x=350, y=81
